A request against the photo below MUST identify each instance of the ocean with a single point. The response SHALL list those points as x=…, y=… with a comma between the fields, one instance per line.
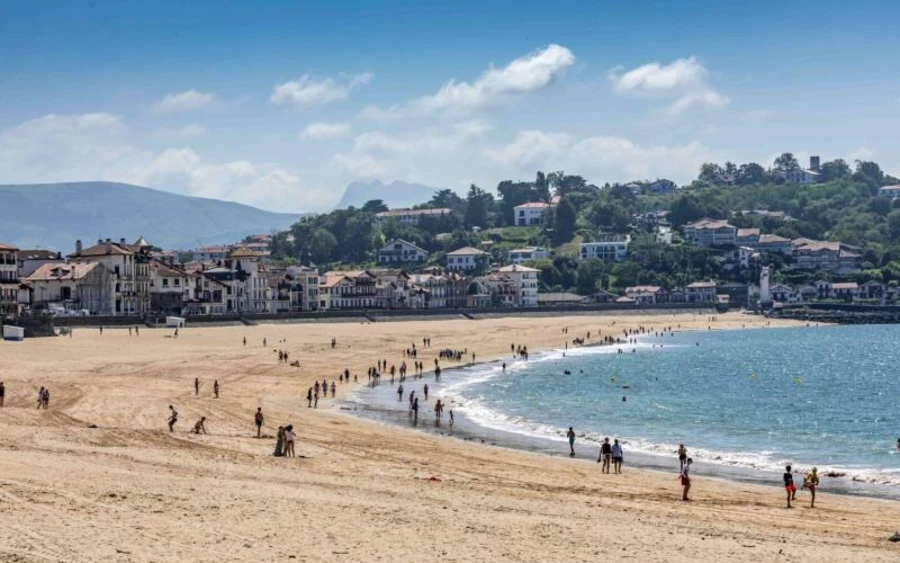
x=744, y=402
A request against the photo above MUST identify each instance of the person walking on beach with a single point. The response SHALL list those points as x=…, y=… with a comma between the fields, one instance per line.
x=686, y=478
x=617, y=456
x=2, y=393
x=425, y=390
x=415, y=410
x=309, y=398
x=682, y=456
x=789, y=485
x=605, y=455
x=259, y=419
x=196, y=386
x=289, y=441
x=216, y=388
x=452, y=420
x=438, y=411
x=45, y=399
x=400, y=393
x=173, y=418
x=811, y=482
x=571, y=436
x=40, y=401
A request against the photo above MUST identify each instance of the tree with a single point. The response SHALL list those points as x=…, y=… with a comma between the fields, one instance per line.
x=893, y=221
x=870, y=173
x=751, y=173
x=478, y=205
x=786, y=163
x=685, y=209
x=374, y=206
x=588, y=276
x=836, y=169
x=448, y=199
x=542, y=187
x=710, y=172
x=321, y=245
x=564, y=223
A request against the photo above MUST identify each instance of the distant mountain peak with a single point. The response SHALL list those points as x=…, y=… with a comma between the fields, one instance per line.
x=54, y=216
x=396, y=194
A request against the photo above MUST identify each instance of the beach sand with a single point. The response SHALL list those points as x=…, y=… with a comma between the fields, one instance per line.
x=128, y=490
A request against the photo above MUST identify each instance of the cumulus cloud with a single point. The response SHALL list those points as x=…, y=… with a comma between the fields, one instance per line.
x=191, y=131
x=309, y=91
x=685, y=82
x=183, y=102
x=602, y=158
x=320, y=130
x=95, y=146
x=526, y=74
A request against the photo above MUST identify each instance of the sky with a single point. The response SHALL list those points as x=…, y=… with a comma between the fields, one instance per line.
x=281, y=104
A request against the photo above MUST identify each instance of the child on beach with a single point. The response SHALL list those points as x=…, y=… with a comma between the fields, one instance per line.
x=811, y=482
x=200, y=426
x=571, y=436
x=789, y=485
x=173, y=418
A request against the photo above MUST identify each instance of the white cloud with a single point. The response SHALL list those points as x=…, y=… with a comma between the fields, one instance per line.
x=601, y=159
x=859, y=153
x=320, y=130
x=94, y=146
x=521, y=76
x=190, y=131
x=309, y=91
x=184, y=101
x=684, y=81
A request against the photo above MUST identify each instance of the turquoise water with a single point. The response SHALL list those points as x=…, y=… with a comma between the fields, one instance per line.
x=757, y=398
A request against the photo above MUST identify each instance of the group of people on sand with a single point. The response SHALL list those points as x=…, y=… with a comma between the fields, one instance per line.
x=611, y=457
x=199, y=426
x=43, y=398
x=810, y=483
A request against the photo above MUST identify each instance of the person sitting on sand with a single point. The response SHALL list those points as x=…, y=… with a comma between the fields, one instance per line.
x=289, y=441
x=686, y=478
x=200, y=426
x=789, y=485
x=571, y=436
x=173, y=418
x=811, y=482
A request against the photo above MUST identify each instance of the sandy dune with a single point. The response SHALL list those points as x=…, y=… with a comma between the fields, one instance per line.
x=128, y=490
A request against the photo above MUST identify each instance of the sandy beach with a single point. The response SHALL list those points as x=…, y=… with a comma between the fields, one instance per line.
x=98, y=476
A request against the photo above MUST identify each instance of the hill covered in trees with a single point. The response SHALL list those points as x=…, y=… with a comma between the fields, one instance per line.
x=844, y=206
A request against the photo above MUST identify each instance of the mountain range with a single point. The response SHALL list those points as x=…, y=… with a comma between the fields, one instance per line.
x=395, y=194
x=54, y=216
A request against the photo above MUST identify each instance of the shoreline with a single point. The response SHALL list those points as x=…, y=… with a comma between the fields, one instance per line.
x=362, y=403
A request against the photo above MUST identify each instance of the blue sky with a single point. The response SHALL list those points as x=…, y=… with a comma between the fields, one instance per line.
x=281, y=104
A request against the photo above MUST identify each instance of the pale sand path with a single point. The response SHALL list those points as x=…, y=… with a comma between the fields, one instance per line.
x=130, y=491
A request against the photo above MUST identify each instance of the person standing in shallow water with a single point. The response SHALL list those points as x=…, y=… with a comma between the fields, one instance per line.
x=571, y=436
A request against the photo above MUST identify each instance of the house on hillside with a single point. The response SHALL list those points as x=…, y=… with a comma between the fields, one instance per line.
x=747, y=237
x=530, y=214
x=710, y=232
x=412, y=216
x=467, y=259
x=399, y=251
x=892, y=192
x=30, y=260
x=610, y=248
x=527, y=254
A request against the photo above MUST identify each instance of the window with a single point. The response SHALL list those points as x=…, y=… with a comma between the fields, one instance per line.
x=165, y=282
x=177, y=282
